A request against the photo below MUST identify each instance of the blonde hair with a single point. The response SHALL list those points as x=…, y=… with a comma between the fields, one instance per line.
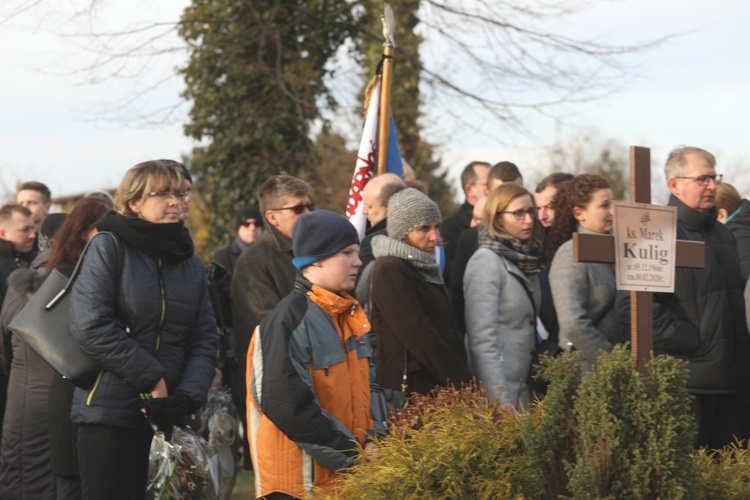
x=498, y=201
x=155, y=175
x=727, y=197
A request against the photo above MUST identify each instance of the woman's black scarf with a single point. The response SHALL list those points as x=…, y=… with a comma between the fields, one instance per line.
x=170, y=241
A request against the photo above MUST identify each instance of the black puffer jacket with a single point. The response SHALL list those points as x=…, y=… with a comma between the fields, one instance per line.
x=740, y=226
x=705, y=316
x=172, y=331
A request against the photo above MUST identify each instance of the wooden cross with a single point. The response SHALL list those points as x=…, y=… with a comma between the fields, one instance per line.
x=601, y=248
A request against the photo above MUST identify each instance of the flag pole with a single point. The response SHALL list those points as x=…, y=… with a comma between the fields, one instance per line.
x=389, y=28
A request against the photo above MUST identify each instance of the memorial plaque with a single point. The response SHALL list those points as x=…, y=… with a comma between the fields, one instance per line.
x=645, y=246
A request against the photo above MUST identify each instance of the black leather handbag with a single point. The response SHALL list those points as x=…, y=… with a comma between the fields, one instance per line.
x=44, y=324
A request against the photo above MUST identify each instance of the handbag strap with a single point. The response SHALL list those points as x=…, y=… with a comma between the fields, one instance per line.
x=76, y=270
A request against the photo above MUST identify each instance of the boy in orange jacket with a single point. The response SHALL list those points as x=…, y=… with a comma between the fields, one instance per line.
x=311, y=402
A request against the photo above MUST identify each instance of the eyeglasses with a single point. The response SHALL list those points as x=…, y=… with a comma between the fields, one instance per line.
x=249, y=223
x=298, y=209
x=704, y=180
x=521, y=213
x=165, y=195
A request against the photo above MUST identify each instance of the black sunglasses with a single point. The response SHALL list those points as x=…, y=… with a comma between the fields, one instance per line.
x=298, y=209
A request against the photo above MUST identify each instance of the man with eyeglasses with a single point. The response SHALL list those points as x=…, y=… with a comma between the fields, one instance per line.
x=264, y=273
x=703, y=321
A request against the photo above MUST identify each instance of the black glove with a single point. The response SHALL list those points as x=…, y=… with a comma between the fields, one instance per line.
x=166, y=412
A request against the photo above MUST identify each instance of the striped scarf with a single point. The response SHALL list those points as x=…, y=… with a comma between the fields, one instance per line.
x=527, y=257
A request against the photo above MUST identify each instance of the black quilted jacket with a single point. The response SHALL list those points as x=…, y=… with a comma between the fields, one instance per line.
x=154, y=320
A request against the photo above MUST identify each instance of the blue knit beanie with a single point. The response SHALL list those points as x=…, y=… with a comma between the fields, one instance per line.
x=320, y=234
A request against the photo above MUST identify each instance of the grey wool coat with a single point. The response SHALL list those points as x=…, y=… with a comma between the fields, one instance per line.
x=584, y=295
x=500, y=324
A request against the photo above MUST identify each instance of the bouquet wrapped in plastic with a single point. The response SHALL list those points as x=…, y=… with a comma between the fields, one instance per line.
x=180, y=467
x=220, y=425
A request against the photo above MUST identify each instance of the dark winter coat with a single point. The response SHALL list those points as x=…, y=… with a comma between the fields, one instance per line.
x=740, y=226
x=365, y=248
x=228, y=255
x=703, y=321
x=25, y=467
x=453, y=226
x=408, y=313
x=10, y=260
x=154, y=320
x=468, y=243
x=264, y=274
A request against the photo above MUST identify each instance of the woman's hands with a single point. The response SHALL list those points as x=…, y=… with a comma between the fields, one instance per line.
x=218, y=380
x=510, y=409
x=160, y=389
x=164, y=410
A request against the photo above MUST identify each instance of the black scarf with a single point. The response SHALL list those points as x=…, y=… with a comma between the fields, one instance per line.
x=170, y=241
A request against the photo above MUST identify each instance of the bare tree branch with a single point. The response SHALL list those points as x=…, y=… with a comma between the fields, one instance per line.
x=18, y=10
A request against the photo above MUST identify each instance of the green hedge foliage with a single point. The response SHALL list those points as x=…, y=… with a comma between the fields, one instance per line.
x=613, y=434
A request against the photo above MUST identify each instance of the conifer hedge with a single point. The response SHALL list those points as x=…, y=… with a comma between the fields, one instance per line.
x=613, y=434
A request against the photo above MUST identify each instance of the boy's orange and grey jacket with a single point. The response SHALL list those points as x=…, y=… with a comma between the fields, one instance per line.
x=310, y=400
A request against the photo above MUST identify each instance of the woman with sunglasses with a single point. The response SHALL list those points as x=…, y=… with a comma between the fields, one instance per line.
x=502, y=295
x=584, y=292
x=140, y=308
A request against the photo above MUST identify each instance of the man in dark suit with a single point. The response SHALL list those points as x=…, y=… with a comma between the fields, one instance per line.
x=474, y=184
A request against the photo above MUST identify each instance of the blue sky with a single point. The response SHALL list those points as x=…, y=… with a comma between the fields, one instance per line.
x=691, y=90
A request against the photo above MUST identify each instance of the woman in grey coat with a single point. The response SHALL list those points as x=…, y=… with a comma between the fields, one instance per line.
x=583, y=292
x=502, y=295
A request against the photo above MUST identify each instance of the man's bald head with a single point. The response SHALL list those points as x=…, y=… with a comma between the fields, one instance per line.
x=375, y=196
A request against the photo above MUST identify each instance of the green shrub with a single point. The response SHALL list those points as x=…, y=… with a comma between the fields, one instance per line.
x=613, y=434
x=635, y=432
x=549, y=429
x=454, y=444
x=723, y=474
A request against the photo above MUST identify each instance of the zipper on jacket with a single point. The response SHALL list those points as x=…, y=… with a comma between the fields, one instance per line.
x=93, y=389
x=163, y=306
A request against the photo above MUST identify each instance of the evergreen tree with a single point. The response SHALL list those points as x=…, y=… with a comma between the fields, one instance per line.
x=255, y=78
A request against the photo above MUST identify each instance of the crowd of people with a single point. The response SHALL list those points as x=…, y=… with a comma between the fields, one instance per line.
x=320, y=335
